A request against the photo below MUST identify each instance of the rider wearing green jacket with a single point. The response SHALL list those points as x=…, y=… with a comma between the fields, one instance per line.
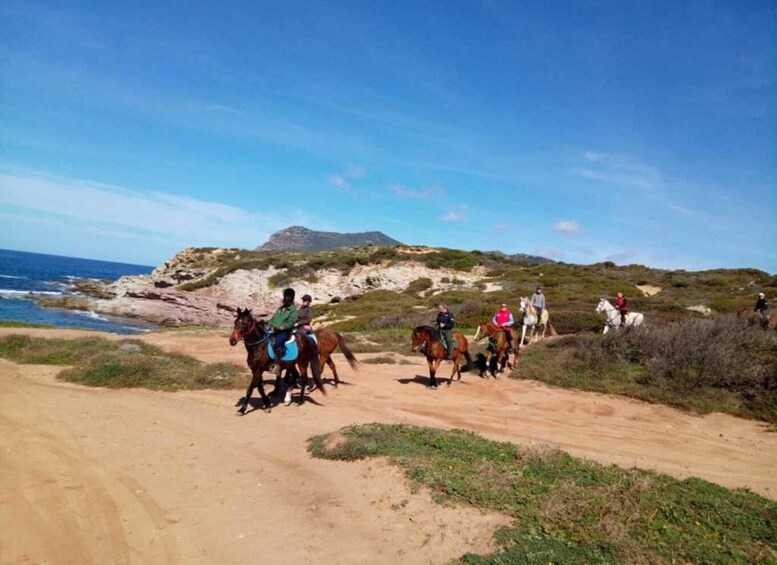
x=281, y=324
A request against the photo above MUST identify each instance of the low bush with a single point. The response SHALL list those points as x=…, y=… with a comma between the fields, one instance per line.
x=719, y=364
x=103, y=363
x=568, y=510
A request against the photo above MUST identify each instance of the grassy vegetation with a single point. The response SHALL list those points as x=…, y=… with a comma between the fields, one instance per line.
x=572, y=290
x=15, y=324
x=720, y=364
x=567, y=510
x=121, y=364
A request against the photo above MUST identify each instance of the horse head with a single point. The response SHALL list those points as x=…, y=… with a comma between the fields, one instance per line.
x=481, y=333
x=245, y=325
x=420, y=336
x=600, y=306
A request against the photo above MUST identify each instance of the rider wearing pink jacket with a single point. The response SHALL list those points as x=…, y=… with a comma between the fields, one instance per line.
x=505, y=320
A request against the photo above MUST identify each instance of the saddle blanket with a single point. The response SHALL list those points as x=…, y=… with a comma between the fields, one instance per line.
x=292, y=350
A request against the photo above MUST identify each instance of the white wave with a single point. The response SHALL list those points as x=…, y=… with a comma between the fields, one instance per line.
x=23, y=293
x=89, y=314
x=11, y=277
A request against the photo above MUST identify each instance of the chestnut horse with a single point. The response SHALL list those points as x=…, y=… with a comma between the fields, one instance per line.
x=254, y=334
x=497, y=347
x=428, y=339
x=328, y=341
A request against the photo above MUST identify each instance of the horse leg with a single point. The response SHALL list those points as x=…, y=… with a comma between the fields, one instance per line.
x=523, y=335
x=331, y=365
x=433, y=371
x=267, y=405
x=243, y=402
x=303, y=382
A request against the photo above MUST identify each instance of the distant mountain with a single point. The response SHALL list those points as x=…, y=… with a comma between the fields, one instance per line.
x=298, y=238
x=524, y=258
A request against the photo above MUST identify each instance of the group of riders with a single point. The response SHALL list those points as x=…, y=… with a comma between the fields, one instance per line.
x=288, y=319
x=503, y=318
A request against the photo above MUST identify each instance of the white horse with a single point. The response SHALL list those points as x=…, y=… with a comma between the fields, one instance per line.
x=614, y=316
x=530, y=320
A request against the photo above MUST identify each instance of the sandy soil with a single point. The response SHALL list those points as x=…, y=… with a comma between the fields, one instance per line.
x=649, y=290
x=91, y=475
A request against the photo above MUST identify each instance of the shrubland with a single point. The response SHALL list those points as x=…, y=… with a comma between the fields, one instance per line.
x=567, y=510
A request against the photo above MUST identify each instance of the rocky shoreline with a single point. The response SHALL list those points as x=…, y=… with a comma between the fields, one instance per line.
x=159, y=299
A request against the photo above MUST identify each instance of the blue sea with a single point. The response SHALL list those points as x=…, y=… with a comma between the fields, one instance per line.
x=22, y=273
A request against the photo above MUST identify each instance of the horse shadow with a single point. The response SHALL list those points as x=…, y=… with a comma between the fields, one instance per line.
x=415, y=379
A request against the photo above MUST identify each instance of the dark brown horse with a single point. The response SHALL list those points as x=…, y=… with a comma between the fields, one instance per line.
x=254, y=334
x=498, y=355
x=428, y=339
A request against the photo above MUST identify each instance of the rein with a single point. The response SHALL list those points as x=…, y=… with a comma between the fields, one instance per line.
x=253, y=330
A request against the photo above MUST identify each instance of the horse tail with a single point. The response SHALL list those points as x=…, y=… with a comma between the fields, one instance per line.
x=349, y=356
x=552, y=330
x=469, y=363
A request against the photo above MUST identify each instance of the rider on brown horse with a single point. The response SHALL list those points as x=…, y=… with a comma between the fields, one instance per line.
x=505, y=320
x=281, y=325
x=445, y=323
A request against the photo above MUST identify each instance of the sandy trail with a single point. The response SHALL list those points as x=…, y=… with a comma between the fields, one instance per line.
x=91, y=475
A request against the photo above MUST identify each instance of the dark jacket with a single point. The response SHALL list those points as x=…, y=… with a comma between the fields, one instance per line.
x=761, y=305
x=445, y=321
x=305, y=316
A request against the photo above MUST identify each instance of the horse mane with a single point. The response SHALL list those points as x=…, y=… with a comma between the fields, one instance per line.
x=433, y=334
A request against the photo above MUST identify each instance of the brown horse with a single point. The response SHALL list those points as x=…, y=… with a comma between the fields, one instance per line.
x=254, y=334
x=327, y=343
x=428, y=339
x=498, y=354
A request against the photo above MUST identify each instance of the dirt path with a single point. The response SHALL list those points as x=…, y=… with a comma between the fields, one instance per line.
x=91, y=475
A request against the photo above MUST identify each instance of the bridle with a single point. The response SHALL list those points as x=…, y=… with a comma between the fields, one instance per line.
x=252, y=329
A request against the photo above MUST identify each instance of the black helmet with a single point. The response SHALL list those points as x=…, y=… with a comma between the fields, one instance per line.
x=288, y=293
x=307, y=298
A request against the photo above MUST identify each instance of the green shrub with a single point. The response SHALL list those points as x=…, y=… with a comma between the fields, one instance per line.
x=419, y=285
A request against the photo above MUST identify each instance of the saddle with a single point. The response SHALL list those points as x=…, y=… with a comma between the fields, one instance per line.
x=292, y=349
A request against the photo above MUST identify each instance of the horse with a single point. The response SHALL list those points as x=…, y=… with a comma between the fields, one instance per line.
x=497, y=347
x=255, y=336
x=613, y=316
x=429, y=340
x=328, y=341
x=530, y=320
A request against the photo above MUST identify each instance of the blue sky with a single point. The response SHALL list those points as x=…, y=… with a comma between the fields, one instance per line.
x=639, y=132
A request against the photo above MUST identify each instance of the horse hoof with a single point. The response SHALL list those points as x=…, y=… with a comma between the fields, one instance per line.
x=267, y=409
x=240, y=413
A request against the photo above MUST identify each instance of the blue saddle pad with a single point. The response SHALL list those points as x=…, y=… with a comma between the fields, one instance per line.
x=291, y=351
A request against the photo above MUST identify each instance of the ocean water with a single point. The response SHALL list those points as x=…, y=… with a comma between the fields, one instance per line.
x=22, y=273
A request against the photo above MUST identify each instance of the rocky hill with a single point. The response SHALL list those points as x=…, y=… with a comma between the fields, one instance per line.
x=298, y=238
x=373, y=287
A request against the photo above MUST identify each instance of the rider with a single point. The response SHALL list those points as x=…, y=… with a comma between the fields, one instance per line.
x=446, y=321
x=304, y=316
x=281, y=325
x=762, y=308
x=504, y=319
x=622, y=304
x=538, y=301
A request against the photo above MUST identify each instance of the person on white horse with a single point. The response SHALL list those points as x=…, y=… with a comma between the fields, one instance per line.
x=535, y=314
x=618, y=317
x=538, y=301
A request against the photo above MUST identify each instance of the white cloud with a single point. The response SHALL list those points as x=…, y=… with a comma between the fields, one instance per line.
x=628, y=173
x=344, y=180
x=454, y=216
x=416, y=194
x=567, y=227
x=139, y=215
x=338, y=181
